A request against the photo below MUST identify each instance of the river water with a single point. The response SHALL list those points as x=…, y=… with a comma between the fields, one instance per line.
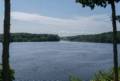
x=53, y=61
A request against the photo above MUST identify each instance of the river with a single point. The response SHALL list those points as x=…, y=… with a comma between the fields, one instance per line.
x=53, y=61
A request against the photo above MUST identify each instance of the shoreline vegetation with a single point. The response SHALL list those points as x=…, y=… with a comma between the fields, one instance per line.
x=11, y=71
x=97, y=38
x=99, y=76
x=28, y=37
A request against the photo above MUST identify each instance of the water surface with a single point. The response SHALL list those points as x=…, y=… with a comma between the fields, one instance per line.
x=58, y=60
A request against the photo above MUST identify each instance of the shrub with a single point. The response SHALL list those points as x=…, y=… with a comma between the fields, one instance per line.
x=11, y=73
x=105, y=76
x=74, y=78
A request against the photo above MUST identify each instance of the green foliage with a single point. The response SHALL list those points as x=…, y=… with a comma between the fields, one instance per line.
x=11, y=72
x=101, y=38
x=74, y=78
x=93, y=3
x=100, y=76
x=26, y=37
x=105, y=76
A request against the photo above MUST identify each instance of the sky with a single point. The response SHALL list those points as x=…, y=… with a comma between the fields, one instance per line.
x=63, y=17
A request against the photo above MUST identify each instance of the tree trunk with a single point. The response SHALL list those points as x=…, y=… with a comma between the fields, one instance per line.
x=6, y=42
x=115, y=51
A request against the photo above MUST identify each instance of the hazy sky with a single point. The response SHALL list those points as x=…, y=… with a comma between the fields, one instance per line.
x=63, y=17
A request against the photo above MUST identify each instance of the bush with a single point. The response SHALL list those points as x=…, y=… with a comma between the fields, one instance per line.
x=100, y=76
x=11, y=73
x=105, y=76
x=73, y=78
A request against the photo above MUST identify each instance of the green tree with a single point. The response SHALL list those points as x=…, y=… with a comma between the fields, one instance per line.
x=103, y=3
x=6, y=42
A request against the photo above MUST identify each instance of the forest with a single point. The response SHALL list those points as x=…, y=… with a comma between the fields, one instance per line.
x=100, y=38
x=27, y=37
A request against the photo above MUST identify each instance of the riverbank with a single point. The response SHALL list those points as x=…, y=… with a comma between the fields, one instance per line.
x=98, y=38
x=28, y=37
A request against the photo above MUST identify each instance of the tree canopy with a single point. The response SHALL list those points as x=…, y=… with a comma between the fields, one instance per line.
x=93, y=3
x=98, y=38
x=118, y=18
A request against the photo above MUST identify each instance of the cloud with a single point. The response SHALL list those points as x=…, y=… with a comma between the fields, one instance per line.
x=78, y=21
x=81, y=24
x=36, y=18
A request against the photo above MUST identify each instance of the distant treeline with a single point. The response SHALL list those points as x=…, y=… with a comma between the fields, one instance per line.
x=27, y=37
x=100, y=38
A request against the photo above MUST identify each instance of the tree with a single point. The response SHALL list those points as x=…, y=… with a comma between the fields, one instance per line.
x=6, y=42
x=103, y=3
x=118, y=18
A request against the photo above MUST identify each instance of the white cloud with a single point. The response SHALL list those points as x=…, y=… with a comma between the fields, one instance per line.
x=78, y=21
x=36, y=18
x=81, y=24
